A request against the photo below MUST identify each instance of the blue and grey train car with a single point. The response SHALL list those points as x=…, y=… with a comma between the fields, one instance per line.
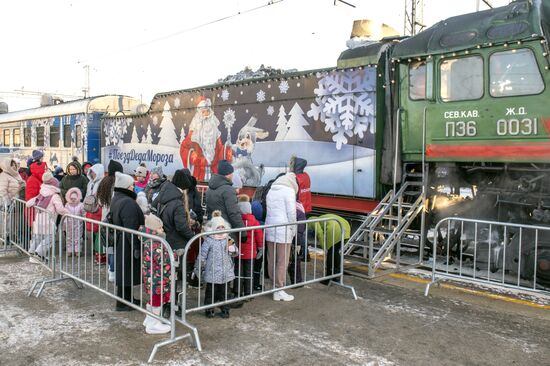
x=61, y=131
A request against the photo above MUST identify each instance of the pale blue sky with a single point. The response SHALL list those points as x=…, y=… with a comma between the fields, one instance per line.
x=46, y=43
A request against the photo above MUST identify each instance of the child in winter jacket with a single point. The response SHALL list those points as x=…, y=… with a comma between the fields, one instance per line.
x=250, y=251
x=215, y=265
x=156, y=275
x=48, y=204
x=73, y=227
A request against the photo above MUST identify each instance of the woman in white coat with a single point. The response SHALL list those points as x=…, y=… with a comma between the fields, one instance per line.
x=11, y=182
x=281, y=209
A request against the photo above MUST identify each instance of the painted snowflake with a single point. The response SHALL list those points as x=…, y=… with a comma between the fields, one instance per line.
x=270, y=110
x=283, y=87
x=114, y=130
x=229, y=118
x=345, y=103
x=225, y=95
x=177, y=103
x=260, y=96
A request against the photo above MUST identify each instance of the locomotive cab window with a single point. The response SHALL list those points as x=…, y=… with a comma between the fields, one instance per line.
x=514, y=72
x=27, y=133
x=78, y=136
x=7, y=137
x=417, y=80
x=461, y=79
x=40, y=136
x=67, y=135
x=17, y=137
x=54, y=136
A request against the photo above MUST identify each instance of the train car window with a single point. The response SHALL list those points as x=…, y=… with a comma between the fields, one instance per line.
x=78, y=136
x=17, y=137
x=40, y=136
x=54, y=136
x=67, y=135
x=514, y=72
x=461, y=79
x=7, y=136
x=27, y=133
x=417, y=80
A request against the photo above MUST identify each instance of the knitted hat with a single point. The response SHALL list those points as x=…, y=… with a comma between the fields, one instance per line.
x=58, y=170
x=217, y=221
x=244, y=204
x=37, y=155
x=225, y=168
x=158, y=171
x=86, y=164
x=113, y=167
x=181, y=180
x=152, y=222
x=123, y=180
x=141, y=200
x=48, y=178
x=140, y=172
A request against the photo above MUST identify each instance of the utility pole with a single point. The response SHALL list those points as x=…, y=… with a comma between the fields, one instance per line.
x=414, y=17
x=86, y=88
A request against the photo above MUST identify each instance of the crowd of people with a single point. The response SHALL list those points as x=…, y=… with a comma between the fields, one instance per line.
x=230, y=264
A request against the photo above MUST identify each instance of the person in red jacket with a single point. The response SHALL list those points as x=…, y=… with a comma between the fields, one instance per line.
x=37, y=169
x=250, y=250
x=297, y=166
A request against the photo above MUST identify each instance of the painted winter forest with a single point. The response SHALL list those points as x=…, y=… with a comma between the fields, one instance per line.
x=326, y=117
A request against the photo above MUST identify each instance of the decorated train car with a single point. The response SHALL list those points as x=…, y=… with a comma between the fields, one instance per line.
x=62, y=131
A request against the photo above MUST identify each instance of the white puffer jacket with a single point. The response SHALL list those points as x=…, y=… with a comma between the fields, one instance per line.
x=281, y=209
x=10, y=182
x=93, y=184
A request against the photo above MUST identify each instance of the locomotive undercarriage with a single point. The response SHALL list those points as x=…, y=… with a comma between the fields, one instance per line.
x=514, y=193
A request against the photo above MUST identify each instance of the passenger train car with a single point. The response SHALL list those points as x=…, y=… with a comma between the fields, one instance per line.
x=61, y=131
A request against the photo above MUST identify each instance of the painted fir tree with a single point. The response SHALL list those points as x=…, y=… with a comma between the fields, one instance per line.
x=167, y=135
x=148, y=135
x=282, y=128
x=296, y=123
x=182, y=134
x=135, y=138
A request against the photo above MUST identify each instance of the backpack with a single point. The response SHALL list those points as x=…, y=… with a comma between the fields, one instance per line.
x=91, y=204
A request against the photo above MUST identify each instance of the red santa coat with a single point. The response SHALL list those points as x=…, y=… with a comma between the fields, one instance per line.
x=304, y=190
x=192, y=156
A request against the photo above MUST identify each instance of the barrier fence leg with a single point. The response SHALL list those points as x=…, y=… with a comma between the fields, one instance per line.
x=341, y=282
x=435, y=281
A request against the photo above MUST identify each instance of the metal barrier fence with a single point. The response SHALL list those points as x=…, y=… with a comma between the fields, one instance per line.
x=245, y=271
x=489, y=252
x=31, y=230
x=201, y=189
x=139, y=270
x=5, y=215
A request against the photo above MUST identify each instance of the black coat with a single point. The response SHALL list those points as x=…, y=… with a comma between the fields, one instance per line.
x=195, y=203
x=170, y=209
x=126, y=213
x=222, y=196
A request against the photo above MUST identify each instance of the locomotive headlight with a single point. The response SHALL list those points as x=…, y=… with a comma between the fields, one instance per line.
x=442, y=172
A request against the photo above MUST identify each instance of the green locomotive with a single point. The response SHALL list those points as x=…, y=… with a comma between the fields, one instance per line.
x=468, y=98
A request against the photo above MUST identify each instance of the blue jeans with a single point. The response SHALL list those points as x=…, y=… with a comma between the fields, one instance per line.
x=111, y=260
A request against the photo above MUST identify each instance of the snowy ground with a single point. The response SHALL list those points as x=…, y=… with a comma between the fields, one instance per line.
x=391, y=324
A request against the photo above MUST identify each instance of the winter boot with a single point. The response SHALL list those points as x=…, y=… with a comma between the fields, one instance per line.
x=100, y=258
x=156, y=326
x=209, y=313
x=32, y=247
x=225, y=312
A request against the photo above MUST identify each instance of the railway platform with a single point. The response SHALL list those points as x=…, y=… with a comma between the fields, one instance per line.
x=392, y=323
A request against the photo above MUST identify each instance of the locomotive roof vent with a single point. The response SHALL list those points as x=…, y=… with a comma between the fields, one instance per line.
x=140, y=109
x=365, y=32
x=4, y=107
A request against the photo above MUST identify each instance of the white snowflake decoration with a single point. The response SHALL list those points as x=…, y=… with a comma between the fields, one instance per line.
x=155, y=120
x=260, y=96
x=177, y=103
x=229, y=118
x=225, y=95
x=114, y=130
x=270, y=110
x=345, y=104
x=283, y=87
